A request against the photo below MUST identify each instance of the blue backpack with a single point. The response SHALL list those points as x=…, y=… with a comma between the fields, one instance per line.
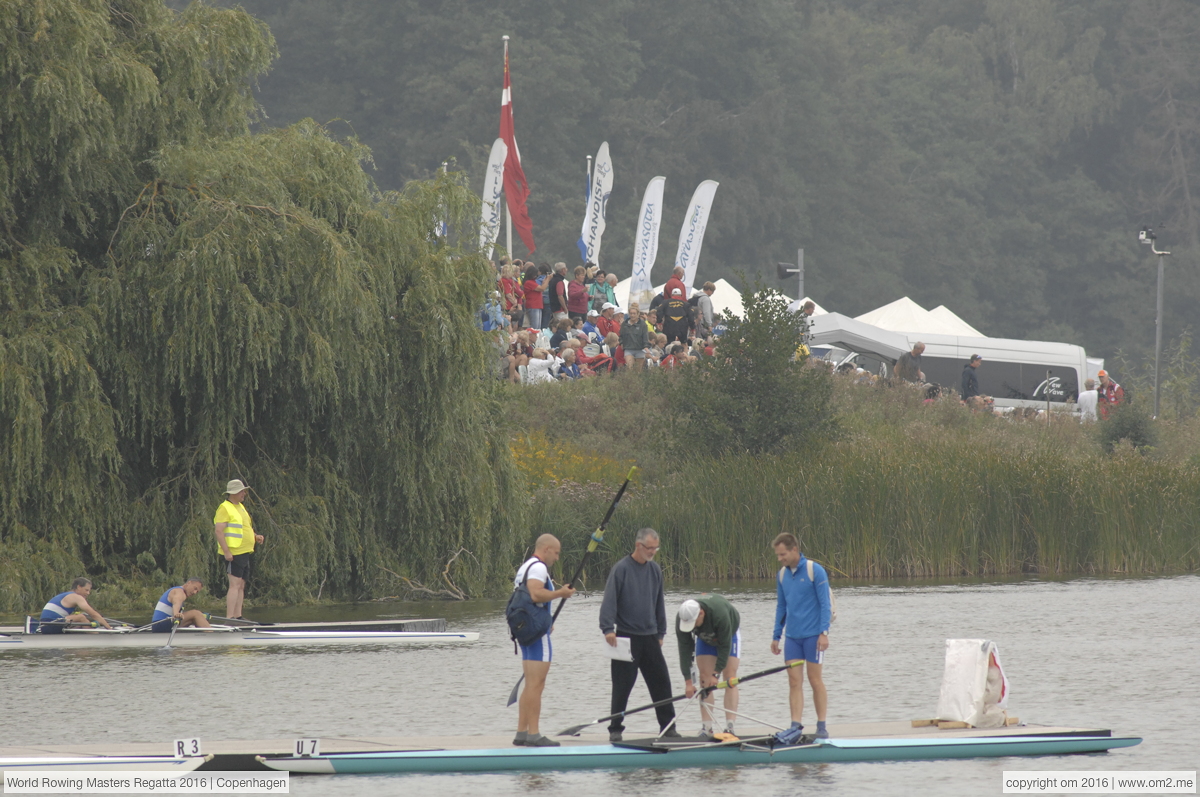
x=527, y=622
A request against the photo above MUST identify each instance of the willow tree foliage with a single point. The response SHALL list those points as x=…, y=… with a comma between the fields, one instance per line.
x=185, y=303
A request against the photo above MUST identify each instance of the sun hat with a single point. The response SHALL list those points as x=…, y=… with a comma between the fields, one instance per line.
x=593, y=312
x=609, y=306
x=689, y=610
x=235, y=486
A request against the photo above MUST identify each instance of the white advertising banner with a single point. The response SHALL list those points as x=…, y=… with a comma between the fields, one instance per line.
x=598, y=193
x=493, y=186
x=645, y=245
x=691, y=235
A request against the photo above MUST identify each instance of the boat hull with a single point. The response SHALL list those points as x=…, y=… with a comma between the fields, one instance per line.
x=621, y=756
x=104, y=764
x=255, y=637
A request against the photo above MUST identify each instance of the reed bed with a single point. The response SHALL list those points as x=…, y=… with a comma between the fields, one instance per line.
x=921, y=497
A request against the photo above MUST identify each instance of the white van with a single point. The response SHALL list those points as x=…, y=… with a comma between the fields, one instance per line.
x=1016, y=373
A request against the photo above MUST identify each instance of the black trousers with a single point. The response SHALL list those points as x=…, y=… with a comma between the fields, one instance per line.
x=647, y=658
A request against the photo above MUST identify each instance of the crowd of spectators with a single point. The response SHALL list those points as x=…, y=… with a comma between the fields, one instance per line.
x=553, y=323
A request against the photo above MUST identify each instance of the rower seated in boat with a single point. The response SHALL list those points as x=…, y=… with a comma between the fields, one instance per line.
x=70, y=608
x=170, y=608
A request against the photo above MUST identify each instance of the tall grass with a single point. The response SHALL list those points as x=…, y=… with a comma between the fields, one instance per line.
x=907, y=490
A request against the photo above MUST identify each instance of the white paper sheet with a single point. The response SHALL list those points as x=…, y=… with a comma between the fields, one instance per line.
x=621, y=652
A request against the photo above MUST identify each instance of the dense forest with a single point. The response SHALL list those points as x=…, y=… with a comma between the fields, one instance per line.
x=997, y=156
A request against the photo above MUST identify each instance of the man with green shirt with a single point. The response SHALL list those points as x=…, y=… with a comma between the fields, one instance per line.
x=710, y=628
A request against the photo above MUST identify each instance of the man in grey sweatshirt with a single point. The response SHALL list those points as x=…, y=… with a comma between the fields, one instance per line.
x=634, y=606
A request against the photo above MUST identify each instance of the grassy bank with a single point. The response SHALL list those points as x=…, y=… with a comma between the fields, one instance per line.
x=904, y=489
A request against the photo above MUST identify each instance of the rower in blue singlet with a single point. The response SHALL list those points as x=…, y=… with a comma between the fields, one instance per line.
x=70, y=608
x=170, y=606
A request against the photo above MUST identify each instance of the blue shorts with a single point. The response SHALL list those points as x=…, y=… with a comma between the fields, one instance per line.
x=804, y=649
x=538, y=651
x=705, y=649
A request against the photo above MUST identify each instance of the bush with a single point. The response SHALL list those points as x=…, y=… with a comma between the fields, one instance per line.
x=754, y=396
x=1128, y=422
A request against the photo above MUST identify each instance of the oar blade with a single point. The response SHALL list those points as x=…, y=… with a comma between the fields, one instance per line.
x=515, y=693
x=575, y=729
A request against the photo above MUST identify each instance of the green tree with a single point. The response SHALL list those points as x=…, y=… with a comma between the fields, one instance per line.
x=185, y=302
x=755, y=394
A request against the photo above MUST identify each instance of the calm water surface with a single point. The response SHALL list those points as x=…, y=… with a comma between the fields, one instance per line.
x=1112, y=653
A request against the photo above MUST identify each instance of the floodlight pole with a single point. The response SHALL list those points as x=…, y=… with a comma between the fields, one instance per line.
x=1148, y=237
x=800, y=271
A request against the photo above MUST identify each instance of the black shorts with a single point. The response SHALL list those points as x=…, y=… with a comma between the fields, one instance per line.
x=240, y=566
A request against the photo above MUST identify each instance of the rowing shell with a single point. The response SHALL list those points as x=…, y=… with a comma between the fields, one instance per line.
x=659, y=756
x=223, y=637
x=143, y=763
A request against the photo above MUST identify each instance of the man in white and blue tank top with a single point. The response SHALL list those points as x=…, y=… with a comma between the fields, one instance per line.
x=70, y=608
x=170, y=607
x=535, y=658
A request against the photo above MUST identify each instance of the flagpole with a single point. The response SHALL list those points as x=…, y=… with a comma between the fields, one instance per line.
x=507, y=212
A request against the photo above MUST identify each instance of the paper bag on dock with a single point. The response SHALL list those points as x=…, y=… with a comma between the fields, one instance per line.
x=974, y=687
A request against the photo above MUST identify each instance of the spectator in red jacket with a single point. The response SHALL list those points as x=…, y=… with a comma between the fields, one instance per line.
x=676, y=281
x=1109, y=394
x=607, y=322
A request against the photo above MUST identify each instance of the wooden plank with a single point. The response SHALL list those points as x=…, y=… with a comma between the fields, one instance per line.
x=946, y=725
x=923, y=723
x=1012, y=721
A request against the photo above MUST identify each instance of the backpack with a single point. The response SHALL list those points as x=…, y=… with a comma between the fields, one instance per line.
x=527, y=622
x=832, y=600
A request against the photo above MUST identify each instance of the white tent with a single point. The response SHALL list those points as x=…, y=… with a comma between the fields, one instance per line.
x=947, y=316
x=726, y=299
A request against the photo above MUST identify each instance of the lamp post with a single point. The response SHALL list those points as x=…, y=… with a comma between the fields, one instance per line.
x=797, y=268
x=1147, y=236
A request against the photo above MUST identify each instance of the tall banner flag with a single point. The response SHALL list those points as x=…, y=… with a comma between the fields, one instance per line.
x=597, y=202
x=516, y=187
x=645, y=247
x=493, y=185
x=691, y=236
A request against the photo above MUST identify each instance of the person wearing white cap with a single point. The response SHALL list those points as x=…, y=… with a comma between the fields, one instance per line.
x=235, y=542
x=710, y=627
x=606, y=323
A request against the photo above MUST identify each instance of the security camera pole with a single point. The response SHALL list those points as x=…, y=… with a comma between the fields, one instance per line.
x=1147, y=236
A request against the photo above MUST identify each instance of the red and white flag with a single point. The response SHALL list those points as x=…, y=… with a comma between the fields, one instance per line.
x=516, y=187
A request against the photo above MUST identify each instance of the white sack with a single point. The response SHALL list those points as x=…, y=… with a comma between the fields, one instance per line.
x=974, y=687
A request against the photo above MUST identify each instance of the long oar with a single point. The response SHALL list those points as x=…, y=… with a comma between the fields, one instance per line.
x=575, y=729
x=597, y=538
x=174, y=625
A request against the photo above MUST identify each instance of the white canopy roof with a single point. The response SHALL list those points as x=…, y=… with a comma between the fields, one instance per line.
x=726, y=299
x=905, y=315
x=947, y=316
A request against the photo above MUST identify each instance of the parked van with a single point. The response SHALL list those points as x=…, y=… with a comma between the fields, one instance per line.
x=1016, y=373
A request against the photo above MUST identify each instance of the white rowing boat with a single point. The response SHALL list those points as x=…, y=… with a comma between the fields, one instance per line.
x=104, y=763
x=224, y=636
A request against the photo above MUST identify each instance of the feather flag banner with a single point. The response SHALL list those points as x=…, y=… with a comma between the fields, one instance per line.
x=691, y=236
x=493, y=187
x=598, y=193
x=645, y=246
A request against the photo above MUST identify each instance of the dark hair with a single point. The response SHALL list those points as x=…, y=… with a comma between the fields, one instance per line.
x=544, y=268
x=531, y=273
x=197, y=580
x=81, y=582
x=789, y=541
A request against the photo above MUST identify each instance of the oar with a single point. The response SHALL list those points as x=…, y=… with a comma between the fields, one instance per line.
x=575, y=729
x=174, y=625
x=237, y=621
x=597, y=538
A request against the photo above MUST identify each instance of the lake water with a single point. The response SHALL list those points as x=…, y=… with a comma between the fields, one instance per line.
x=1119, y=653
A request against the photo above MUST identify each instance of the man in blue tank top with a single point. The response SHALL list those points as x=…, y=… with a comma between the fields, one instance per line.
x=69, y=608
x=170, y=607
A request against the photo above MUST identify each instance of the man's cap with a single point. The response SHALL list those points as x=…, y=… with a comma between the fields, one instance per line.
x=689, y=610
x=975, y=357
x=1102, y=373
x=593, y=312
x=608, y=306
x=235, y=486
x=676, y=292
